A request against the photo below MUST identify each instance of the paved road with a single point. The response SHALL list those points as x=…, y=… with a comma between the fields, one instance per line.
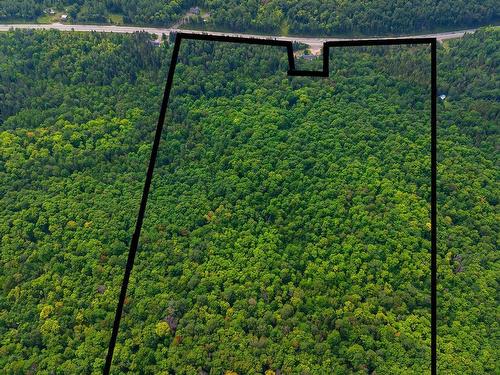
x=314, y=43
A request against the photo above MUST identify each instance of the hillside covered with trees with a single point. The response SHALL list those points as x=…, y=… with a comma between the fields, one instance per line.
x=327, y=17
x=287, y=230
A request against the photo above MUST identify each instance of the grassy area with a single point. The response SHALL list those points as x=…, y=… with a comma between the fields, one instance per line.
x=116, y=18
x=284, y=28
x=46, y=18
x=50, y=18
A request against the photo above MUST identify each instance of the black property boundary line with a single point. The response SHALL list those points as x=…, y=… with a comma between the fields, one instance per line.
x=291, y=72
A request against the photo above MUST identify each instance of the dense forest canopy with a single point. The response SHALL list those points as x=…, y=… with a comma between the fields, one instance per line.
x=288, y=226
x=277, y=16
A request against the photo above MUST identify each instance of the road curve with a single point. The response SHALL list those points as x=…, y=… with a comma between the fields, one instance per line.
x=314, y=43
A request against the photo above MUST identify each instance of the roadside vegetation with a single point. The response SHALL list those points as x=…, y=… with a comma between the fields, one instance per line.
x=297, y=17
